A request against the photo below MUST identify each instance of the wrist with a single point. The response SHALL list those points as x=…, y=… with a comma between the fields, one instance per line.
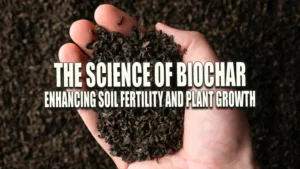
x=245, y=160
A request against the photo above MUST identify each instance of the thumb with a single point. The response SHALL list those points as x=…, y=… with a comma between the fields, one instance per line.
x=197, y=46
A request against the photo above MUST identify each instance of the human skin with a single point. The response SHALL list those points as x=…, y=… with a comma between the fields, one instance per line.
x=213, y=138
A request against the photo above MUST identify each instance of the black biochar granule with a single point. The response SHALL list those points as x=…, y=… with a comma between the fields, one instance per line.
x=138, y=134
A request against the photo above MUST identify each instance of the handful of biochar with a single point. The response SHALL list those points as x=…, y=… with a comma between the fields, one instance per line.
x=138, y=134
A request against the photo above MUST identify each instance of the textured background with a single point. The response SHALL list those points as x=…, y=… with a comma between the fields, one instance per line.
x=261, y=33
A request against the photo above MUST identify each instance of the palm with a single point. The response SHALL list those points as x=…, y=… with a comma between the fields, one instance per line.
x=212, y=137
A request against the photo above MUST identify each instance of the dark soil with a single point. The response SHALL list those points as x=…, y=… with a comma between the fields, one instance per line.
x=264, y=34
x=120, y=127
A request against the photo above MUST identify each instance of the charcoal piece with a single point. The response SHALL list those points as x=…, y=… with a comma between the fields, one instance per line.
x=138, y=134
x=91, y=31
x=121, y=21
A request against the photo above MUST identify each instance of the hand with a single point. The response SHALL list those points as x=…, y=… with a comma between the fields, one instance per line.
x=213, y=138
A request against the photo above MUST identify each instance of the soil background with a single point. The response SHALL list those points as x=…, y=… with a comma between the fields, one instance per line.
x=264, y=34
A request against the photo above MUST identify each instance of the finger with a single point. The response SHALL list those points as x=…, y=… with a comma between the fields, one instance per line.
x=69, y=52
x=109, y=16
x=81, y=34
x=197, y=46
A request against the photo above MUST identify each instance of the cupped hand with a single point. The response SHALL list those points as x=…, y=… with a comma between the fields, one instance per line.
x=213, y=138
